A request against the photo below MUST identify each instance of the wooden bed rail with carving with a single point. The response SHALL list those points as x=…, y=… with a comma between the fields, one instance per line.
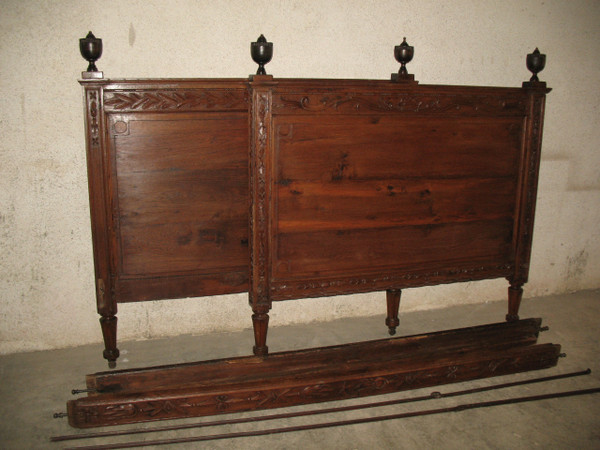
x=311, y=376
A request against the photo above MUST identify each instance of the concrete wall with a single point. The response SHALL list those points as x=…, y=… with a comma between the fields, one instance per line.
x=46, y=273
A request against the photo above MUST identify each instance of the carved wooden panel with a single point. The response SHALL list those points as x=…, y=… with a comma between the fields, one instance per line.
x=305, y=188
x=175, y=100
x=361, y=100
x=172, y=158
x=259, y=192
x=370, y=188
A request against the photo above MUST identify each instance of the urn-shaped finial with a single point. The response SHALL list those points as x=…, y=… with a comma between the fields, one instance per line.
x=91, y=50
x=404, y=54
x=535, y=63
x=261, y=52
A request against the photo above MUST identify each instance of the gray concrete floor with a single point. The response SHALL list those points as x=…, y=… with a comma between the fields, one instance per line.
x=35, y=385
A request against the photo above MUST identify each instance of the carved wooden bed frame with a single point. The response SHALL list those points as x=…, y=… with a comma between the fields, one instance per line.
x=294, y=188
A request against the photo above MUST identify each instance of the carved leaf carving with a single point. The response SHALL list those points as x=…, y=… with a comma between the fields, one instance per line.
x=386, y=102
x=366, y=283
x=139, y=411
x=179, y=100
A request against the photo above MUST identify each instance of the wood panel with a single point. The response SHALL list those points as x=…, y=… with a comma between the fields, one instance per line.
x=389, y=192
x=391, y=202
x=182, y=187
x=314, y=254
x=357, y=147
x=364, y=185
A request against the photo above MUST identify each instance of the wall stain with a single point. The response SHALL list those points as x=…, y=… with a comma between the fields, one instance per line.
x=576, y=265
x=131, y=35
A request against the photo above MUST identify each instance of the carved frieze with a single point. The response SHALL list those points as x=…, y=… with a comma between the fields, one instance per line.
x=191, y=404
x=350, y=285
x=176, y=100
x=365, y=102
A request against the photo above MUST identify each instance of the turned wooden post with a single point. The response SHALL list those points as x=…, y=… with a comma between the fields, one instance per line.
x=393, y=305
x=260, y=322
x=109, y=332
x=515, y=293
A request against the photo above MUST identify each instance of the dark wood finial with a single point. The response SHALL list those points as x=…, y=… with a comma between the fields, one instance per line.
x=536, y=62
x=91, y=50
x=404, y=54
x=261, y=52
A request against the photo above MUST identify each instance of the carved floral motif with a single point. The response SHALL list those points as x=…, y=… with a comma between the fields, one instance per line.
x=351, y=285
x=399, y=102
x=137, y=411
x=259, y=182
x=93, y=132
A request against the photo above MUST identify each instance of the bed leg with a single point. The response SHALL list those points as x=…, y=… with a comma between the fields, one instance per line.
x=393, y=305
x=260, y=322
x=515, y=293
x=108, y=324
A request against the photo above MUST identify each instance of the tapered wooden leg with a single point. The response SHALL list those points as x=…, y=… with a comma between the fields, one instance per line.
x=260, y=322
x=515, y=293
x=109, y=332
x=393, y=305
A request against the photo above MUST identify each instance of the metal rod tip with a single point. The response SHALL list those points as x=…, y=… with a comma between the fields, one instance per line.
x=82, y=391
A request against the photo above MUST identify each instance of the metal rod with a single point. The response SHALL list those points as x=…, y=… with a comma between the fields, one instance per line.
x=82, y=391
x=316, y=426
x=433, y=395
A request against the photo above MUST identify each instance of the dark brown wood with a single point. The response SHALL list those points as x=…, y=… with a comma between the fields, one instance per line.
x=491, y=336
x=168, y=178
x=368, y=185
x=317, y=411
x=393, y=305
x=313, y=375
x=260, y=322
x=259, y=132
x=108, y=325
x=295, y=188
x=515, y=293
x=362, y=420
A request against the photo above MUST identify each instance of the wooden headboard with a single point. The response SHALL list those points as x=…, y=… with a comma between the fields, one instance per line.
x=293, y=188
x=170, y=163
x=366, y=185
